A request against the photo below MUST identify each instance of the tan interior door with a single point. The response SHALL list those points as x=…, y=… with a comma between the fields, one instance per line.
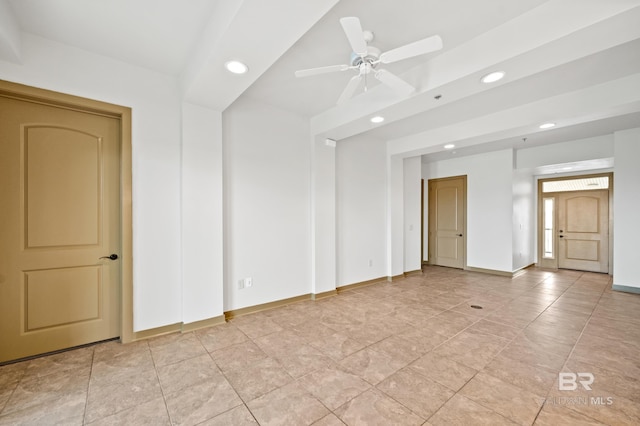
x=583, y=230
x=59, y=190
x=446, y=222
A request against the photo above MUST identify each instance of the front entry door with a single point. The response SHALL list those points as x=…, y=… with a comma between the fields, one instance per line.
x=583, y=230
x=446, y=221
x=59, y=192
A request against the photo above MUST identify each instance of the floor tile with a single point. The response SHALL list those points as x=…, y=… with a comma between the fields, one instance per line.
x=448, y=323
x=604, y=353
x=472, y=349
x=220, y=336
x=153, y=412
x=606, y=381
x=529, y=377
x=43, y=389
x=175, y=348
x=202, y=401
x=423, y=339
x=329, y=420
x=374, y=408
x=77, y=361
x=256, y=325
x=462, y=411
x=494, y=328
x=512, y=402
x=445, y=371
x=106, y=399
x=181, y=375
x=114, y=361
x=67, y=409
x=288, y=405
x=238, y=416
x=333, y=386
x=421, y=395
x=407, y=352
x=399, y=348
x=551, y=415
x=259, y=378
x=238, y=356
x=522, y=350
x=337, y=346
x=303, y=360
x=371, y=365
x=280, y=344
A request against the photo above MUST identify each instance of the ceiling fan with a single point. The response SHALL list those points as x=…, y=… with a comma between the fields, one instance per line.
x=366, y=58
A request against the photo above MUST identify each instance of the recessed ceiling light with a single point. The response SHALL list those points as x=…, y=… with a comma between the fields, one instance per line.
x=493, y=77
x=449, y=146
x=236, y=67
x=547, y=125
x=377, y=119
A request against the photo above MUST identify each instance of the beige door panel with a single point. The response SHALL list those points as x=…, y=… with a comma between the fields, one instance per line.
x=446, y=222
x=583, y=224
x=61, y=209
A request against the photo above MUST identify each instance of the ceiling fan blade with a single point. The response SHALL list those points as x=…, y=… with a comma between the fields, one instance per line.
x=393, y=81
x=348, y=91
x=321, y=70
x=420, y=47
x=353, y=30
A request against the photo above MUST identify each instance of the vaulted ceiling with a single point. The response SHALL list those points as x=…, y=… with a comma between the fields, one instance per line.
x=572, y=62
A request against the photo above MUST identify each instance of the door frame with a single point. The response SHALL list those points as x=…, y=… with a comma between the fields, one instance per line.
x=553, y=263
x=426, y=209
x=123, y=115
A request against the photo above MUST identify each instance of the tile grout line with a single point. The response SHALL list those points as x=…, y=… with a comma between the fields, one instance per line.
x=244, y=403
x=164, y=398
x=478, y=371
x=574, y=346
x=86, y=399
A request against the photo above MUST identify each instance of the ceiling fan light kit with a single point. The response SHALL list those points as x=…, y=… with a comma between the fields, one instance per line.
x=365, y=59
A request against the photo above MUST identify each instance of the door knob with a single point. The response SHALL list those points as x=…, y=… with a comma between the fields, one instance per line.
x=111, y=256
x=561, y=236
x=459, y=235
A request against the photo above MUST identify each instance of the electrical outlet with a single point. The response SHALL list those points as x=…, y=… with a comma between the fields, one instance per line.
x=240, y=284
x=370, y=262
x=248, y=282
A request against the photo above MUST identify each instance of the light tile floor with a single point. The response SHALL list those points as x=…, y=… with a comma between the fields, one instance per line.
x=409, y=352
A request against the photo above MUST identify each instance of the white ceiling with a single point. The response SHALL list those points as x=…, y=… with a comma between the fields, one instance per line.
x=574, y=62
x=155, y=34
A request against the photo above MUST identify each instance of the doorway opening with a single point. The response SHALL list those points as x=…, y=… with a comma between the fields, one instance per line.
x=574, y=222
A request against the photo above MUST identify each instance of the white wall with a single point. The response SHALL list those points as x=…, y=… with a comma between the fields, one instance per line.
x=566, y=152
x=323, y=220
x=267, y=204
x=155, y=102
x=489, y=205
x=412, y=173
x=395, y=215
x=361, y=215
x=202, y=229
x=524, y=219
x=626, y=205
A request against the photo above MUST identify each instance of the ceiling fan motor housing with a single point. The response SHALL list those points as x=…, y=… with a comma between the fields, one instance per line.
x=372, y=56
